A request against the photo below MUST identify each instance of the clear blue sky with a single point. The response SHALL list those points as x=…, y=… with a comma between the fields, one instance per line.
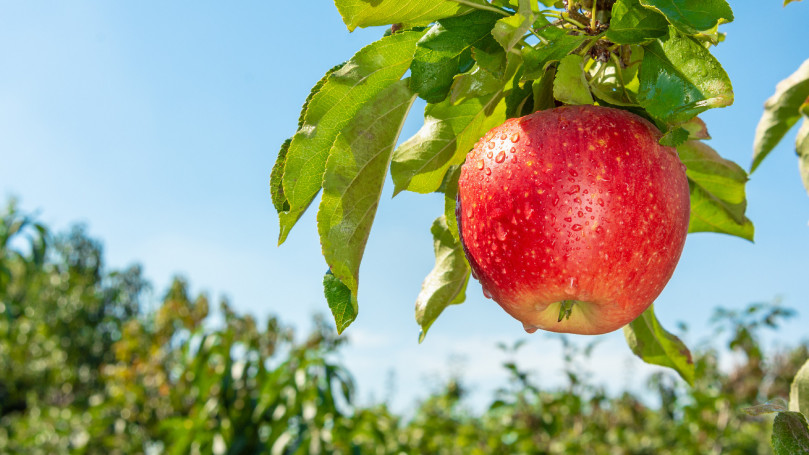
x=157, y=124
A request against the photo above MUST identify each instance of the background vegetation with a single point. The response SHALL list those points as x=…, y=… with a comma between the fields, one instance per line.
x=87, y=367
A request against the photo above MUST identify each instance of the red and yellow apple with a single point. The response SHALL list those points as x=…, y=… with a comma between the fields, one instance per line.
x=573, y=219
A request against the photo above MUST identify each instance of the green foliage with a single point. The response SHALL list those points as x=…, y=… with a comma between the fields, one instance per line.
x=86, y=367
x=652, y=343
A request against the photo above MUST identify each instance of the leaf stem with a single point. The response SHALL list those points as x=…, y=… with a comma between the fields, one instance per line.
x=481, y=7
x=593, y=15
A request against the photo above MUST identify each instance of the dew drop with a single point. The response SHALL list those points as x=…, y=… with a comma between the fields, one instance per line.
x=574, y=189
x=576, y=227
x=588, y=208
x=599, y=230
x=489, y=155
x=491, y=145
x=513, y=150
x=568, y=219
x=571, y=286
x=529, y=328
x=577, y=200
x=503, y=137
x=479, y=164
x=580, y=214
x=600, y=202
x=500, y=232
x=555, y=200
x=500, y=156
x=488, y=171
x=573, y=173
x=486, y=293
x=515, y=137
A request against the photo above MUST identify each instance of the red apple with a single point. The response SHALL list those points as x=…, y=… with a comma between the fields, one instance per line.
x=573, y=219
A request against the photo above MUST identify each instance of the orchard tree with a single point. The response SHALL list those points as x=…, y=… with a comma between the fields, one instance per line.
x=479, y=63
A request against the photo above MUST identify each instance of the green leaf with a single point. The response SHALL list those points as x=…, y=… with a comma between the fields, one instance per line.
x=787, y=2
x=570, y=85
x=493, y=62
x=365, y=13
x=342, y=303
x=696, y=129
x=781, y=112
x=607, y=84
x=445, y=48
x=717, y=191
x=279, y=201
x=692, y=16
x=450, y=129
x=543, y=90
x=509, y=30
x=370, y=71
x=790, y=434
x=674, y=137
x=450, y=199
x=446, y=283
x=679, y=78
x=802, y=148
x=556, y=49
x=632, y=23
x=355, y=173
x=654, y=345
x=799, y=391
x=519, y=97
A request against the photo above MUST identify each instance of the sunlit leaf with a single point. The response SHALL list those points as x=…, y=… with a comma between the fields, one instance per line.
x=692, y=16
x=799, y=391
x=353, y=180
x=370, y=71
x=509, y=30
x=570, y=85
x=364, y=13
x=632, y=23
x=781, y=112
x=653, y=344
x=446, y=283
x=802, y=149
x=717, y=191
x=679, y=78
x=447, y=47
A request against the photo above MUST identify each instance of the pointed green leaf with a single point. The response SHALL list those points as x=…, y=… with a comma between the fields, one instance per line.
x=365, y=13
x=355, y=174
x=696, y=129
x=679, y=78
x=520, y=98
x=450, y=129
x=692, y=16
x=632, y=23
x=556, y=49
x=570, y=85
x=493, y=61
x=790, y=434
x=654, y=345
x=370, y=71
x=781, y=112
x=799, y=391
x=543, y=90
x=509, y=30
x=279, y=201
x=674, y=137
x=802, y=148
x=446, y=283
x=717, y=191
x=450, y=199
x=342, y=303
x=447, y=47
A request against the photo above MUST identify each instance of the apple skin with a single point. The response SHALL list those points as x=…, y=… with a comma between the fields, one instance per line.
x=577, y=204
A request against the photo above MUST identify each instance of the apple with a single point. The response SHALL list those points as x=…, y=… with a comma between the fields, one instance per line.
x=573, y=219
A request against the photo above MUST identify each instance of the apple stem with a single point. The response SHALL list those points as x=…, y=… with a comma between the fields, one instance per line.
x=565, y=309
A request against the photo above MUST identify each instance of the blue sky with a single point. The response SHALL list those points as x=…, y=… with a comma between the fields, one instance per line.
x=157, y=124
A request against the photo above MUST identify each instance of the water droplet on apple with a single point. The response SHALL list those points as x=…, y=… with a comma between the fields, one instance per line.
x=577, y=200
x=555, y=200
x=515, y=137
x=576, y=227
x=600, y=202
x=491, y=145
x=488, y=171
x=580, y=214
x=489, y=154
x=486, y=293
x=500, y=156
x=529, y=328
x=568, y=219
x=574, y=189
x=503, y=137
x=479, y=164
x=599, y=230
x=513, y=150
x=588, y=208
x=500, y=232
x=573, y=173
x=572, y=286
